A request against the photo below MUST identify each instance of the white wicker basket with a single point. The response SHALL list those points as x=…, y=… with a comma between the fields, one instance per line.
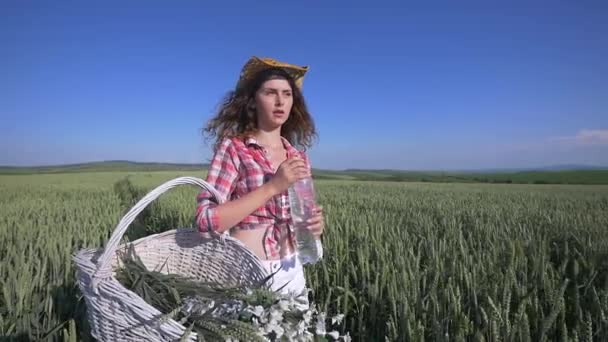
x=118, y=314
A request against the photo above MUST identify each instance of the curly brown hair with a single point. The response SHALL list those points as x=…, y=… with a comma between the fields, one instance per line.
x=237, y=118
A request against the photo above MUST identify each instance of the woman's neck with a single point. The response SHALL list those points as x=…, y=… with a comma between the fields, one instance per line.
x=269, y=139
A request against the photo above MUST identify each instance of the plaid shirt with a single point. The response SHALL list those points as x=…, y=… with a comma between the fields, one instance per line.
x=238, y=168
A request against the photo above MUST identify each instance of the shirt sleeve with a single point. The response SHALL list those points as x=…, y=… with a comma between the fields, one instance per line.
x=222, y=175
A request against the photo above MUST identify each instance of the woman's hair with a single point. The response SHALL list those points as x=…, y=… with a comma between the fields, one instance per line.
x=236, y=116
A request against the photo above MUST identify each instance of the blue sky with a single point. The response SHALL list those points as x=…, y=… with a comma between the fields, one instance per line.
x=444, y=85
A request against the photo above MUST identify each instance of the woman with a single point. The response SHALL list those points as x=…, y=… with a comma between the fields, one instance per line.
x=255, y=162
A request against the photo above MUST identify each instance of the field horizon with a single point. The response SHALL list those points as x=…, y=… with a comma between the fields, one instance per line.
x=555, y=174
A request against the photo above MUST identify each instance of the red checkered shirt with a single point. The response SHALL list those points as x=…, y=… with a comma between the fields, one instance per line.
x=239, y=167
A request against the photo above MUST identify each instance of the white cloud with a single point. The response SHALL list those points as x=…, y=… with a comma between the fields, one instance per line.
x=585, y=137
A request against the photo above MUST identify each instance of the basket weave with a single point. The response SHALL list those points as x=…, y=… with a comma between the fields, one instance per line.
x=115, y=313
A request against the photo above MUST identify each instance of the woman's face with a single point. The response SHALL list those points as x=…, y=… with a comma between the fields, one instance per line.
x=273, y=101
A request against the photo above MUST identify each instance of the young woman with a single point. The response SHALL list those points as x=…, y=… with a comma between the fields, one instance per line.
x=256, y=131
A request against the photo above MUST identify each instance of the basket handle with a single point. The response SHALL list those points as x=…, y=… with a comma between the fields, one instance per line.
x=104, y=263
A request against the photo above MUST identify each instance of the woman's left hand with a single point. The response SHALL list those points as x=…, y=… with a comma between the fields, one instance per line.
x=316, y=223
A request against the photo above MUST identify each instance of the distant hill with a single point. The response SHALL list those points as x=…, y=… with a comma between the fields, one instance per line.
x=111, y=165
x=560, y=174
x=519, y=177
x=571, y=167
x=564, y=167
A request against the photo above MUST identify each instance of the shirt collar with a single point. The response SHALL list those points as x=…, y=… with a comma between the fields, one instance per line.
x=290, y=149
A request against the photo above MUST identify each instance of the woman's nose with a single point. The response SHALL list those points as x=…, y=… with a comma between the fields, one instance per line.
x=279, y=100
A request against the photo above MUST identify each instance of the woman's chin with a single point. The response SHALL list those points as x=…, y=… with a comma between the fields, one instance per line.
x=274, y=124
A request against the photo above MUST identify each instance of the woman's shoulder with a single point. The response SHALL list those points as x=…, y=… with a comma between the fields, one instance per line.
x=230, y=143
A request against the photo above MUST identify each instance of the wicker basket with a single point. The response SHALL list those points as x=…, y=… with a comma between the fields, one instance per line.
x=118, y=314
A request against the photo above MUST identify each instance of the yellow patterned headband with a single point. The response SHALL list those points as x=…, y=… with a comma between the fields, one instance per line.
x=255, y=64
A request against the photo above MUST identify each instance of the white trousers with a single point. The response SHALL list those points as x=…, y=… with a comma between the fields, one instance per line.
x=288, y=276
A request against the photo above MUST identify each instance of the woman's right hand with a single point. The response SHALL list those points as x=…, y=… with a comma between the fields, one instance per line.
x=289, y=172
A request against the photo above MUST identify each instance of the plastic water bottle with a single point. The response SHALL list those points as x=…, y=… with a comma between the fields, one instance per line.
x=302, y=201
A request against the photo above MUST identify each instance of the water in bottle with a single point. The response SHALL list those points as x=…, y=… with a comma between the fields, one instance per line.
x=302, y=201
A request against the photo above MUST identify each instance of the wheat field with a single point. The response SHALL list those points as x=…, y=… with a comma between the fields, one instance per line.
x=403, y=261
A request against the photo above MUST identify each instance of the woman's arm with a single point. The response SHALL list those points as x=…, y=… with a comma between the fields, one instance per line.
x=232, y=212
